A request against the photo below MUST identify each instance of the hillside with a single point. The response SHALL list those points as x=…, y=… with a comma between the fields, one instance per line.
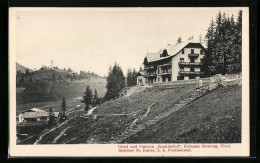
x=130, y=119
x=213, y=118
x=48, y=85
x=21, y=68
x=55, y=91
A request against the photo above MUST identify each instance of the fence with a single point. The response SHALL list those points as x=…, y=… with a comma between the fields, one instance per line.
x=233, y=79
x=226, y=80
x=183, y=82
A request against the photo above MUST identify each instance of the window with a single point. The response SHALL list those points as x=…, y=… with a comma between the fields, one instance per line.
x=192, y=51
x=180, y=77
x=192, y=60
x=202, y=60
x=163, y=78
x=181, y=59
x=182, y=52
x=192, y=69
x=201, y=51
x=182, y=69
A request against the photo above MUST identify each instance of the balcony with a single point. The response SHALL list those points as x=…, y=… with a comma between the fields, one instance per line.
x=190, y=64
x=166, y=64
x=190, y=73
x=150, y=75
x=193, y=55
x=150, y=67
x=169, y=72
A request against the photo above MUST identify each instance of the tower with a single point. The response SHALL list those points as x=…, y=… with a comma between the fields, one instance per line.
x=51, y=64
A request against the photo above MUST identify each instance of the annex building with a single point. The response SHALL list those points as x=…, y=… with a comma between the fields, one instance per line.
x=35, y=115
x=181, y=61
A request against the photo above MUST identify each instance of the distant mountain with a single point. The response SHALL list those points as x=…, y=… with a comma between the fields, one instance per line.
x=51, y=84
x=21, y=68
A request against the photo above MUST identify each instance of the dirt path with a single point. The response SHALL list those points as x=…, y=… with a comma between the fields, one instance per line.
x=130, y=129
x=91, y=110
x=134, y=90
x=142, y=116
x=47, y=132
x=149, y=109
x=60, y=135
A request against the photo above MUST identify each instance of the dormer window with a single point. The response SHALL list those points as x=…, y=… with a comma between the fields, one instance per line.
x=201, y=51
x=164, y=54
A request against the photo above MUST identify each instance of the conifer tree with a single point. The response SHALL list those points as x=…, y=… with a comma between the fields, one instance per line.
x=224, y=45
x=51, y=121
x=87, y=98
x=115, y=82
x=63, y=105
x=63, y=110
x=131, y=77
x=95, y=98
x=238, y=43
x=134, y=82
x=209, y=64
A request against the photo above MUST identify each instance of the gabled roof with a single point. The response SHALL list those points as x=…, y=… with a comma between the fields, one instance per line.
x=34, y=110
x=141, y=73
x=151, y=57
x=38, y=114
x=171, y=49
x=43, y=114
x=37, y=110
x=30, y=115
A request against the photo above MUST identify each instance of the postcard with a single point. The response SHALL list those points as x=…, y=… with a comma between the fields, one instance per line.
x=129, y=82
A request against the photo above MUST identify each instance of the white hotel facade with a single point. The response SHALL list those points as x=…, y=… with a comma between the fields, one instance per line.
x=182, y=61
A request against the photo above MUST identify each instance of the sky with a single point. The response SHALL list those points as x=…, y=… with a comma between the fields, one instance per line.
x=92, y=39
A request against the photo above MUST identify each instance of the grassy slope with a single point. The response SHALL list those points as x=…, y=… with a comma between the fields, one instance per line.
x=104, y=129
x=70, y=92
x=213, y=118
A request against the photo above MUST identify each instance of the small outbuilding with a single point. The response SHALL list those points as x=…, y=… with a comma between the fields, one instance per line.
x=35, y=115
x=140, y=77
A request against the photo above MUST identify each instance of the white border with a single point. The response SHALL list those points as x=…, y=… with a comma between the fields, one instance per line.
x=110, y=150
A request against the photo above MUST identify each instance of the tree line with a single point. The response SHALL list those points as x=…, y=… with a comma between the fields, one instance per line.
x=131, y=77
x=115, y=82
x=224, y=42
x=62, y=114
x=90, y=99
x=67, y=75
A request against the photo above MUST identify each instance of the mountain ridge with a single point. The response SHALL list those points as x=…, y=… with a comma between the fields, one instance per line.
x=21, y=68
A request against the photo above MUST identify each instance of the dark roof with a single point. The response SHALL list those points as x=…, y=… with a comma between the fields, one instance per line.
x=141, y=73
